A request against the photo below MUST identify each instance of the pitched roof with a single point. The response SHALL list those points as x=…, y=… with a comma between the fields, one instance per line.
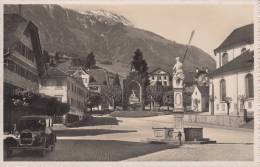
x=243, y=62
x=241, y=35
x=54, y=71
x=14, y=26
x=154, y=69
x=99, y=75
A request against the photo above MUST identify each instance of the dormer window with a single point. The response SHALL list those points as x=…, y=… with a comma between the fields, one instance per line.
x=224, y=58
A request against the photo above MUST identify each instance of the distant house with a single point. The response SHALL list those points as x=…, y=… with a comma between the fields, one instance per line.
x=234, y=75
x=160, y=75
x=98, y=78
x=198, y=77
x=200, y=99
x=66, y=88
x=79, y=72
x=22, y=58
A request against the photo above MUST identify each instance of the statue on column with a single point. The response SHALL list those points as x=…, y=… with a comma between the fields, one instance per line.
x=178, y=73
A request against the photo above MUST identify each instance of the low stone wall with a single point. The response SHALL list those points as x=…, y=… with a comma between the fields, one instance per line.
x=221, y=120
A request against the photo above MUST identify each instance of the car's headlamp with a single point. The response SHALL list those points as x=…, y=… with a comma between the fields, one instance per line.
x=16, y=134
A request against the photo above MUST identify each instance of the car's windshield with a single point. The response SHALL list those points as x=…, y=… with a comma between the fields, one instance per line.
x=32, y=124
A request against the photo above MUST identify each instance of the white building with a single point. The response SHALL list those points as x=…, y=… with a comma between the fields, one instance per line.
x=200, y=99
x=233, y=77
x=159, y=75
x=66, y=88
x=79, y=72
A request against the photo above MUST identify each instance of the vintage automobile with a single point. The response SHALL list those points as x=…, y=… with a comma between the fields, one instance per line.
x=32, y=133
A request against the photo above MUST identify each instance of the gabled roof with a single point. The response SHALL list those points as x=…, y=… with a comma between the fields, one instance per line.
x=55, y=72
x=204, y=90
x=241, y=35
x=154, y=69
x=14, y=26
x=75, y=70
x=241, y=63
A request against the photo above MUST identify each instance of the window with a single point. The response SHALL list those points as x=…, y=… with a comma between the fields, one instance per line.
x=222, y=89
x=165, y=83
x=249, y=86
x=165, y=77
x=217, y=106
x=224, y=58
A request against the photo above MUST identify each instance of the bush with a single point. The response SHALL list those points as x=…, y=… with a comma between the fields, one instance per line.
x=106, y=62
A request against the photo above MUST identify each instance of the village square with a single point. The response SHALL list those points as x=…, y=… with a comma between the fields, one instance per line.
x=93, y=110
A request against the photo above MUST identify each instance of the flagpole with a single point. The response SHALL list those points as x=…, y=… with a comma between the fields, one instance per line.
x=188, y=46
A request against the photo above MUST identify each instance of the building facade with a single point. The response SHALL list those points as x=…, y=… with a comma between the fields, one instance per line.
x=22, y=58
x=233, y=79
x=66, y=88
x=200, y=99
x=160, y=75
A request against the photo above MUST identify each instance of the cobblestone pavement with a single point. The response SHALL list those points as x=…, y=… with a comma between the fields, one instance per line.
x=124, y=140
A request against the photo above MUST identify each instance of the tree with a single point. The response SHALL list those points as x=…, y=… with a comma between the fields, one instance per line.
x=93, y=100
x=228, y=100
x=168, y=98
x=116, y=81
x=139, y=65
x=90, y=61
x=156, y=92
x=114, y=94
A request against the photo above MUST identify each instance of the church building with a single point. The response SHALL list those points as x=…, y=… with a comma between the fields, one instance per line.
x=233, y=81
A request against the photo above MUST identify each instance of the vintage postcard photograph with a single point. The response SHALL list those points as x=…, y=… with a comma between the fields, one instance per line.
x=128, y=82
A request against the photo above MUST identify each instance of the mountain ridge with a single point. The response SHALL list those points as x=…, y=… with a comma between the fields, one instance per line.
x=75, y=34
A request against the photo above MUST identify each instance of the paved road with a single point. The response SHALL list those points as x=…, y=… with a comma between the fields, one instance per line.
x=107, y=138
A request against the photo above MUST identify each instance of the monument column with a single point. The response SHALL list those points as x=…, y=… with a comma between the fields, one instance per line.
x=177, y=84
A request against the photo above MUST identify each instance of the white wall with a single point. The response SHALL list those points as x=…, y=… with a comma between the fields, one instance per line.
x=232, y=52
x=196, y=95
x=160, y=76
x=235, y=86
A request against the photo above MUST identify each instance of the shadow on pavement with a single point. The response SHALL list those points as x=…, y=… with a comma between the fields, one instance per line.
x=89, y=132
x=93, y=150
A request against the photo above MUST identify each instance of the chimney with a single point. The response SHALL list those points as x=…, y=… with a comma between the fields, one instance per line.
x=20, y=10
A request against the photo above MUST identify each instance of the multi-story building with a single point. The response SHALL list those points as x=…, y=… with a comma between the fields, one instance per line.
x=160, y=75
x=22, y=58
x=233, y=77
x=66, y=88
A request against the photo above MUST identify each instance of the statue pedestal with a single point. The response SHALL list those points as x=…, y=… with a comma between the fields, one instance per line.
x=178, y=100
x=178, y=124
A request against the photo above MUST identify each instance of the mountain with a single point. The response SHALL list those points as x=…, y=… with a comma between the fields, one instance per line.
x=110, y=36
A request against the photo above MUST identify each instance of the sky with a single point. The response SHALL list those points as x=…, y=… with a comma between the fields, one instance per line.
x=212, y=22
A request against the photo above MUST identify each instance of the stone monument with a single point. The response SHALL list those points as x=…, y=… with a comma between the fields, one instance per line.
x=178, y=79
